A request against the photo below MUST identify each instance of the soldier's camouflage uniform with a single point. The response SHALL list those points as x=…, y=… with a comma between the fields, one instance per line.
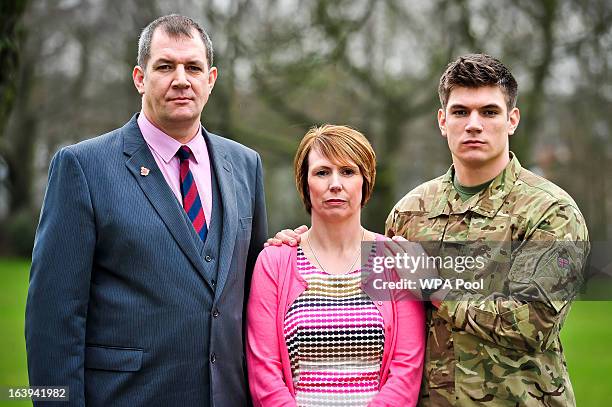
x=498, y=348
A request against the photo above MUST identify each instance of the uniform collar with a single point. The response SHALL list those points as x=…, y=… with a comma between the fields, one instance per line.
x=485, y=203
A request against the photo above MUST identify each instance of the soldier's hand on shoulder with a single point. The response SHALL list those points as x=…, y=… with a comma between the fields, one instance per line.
x=287, y=236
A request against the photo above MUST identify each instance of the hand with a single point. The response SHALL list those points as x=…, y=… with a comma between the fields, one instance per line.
x=287, y=236
x=413, y=266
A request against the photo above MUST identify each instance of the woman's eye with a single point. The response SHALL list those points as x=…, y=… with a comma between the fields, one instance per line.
x=348, y=171
x=321, y=173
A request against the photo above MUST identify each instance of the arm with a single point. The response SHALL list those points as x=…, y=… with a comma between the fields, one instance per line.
x=265, y=368
x=259, y=230
x=540, y=285
x=406, y=368
x=58, y=295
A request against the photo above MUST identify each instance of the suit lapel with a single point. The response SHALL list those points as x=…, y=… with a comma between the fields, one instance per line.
x=225, y=180
x=160, y=195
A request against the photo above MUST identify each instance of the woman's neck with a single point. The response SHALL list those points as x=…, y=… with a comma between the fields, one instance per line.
x=338, y=237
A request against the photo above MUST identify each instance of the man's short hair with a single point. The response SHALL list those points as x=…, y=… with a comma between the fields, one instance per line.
x=175, y=26
x=339, y=144
x=475, y=71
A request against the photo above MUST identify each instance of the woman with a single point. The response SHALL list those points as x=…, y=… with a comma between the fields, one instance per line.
x=314, y=336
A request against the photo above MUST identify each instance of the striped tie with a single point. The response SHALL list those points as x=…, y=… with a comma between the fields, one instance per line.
x=189, y=191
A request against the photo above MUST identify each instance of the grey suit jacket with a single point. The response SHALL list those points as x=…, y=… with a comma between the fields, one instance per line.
x=126, y=306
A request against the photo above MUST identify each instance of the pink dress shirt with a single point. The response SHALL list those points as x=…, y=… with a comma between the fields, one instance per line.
x=164, y=148
x=275, y=285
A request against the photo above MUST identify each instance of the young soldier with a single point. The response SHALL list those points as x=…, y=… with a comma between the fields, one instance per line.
x=501, y=346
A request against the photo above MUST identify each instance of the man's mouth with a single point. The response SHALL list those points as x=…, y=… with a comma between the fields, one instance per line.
x=472, y=142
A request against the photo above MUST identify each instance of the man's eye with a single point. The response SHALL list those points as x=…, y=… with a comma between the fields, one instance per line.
x=490, y=112
x=459, y=112
x=163, y=67
x=194, y=68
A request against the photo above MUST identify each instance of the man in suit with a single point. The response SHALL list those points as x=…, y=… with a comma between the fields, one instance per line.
x=146, y=239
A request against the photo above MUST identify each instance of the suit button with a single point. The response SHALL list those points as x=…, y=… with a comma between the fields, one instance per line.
x=208, y=258
x=215, y=313
x=213, y=358
x=213, y=283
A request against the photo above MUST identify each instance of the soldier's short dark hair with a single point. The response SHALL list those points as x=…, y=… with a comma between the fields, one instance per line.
x=175, y=26
x=475, y=71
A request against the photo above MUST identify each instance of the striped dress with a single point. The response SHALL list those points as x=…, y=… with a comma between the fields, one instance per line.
x=335, y=335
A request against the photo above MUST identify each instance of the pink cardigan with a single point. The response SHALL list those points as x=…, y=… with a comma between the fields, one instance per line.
x=275, y=286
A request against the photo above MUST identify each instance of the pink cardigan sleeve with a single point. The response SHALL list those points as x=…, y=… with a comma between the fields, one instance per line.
x=406, y=368
x=265, y=370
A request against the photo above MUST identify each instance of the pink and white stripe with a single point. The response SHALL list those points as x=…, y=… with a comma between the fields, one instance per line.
x=335, y=336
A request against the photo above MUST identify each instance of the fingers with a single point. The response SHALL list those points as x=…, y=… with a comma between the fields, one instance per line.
x=392, y=248
x=287, y=236
x=301, y=229
x=273, y=242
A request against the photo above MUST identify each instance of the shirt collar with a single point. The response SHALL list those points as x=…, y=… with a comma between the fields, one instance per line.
x=487, y=202
x=166, y=146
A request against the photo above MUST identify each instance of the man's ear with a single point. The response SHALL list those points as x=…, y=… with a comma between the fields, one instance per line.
x=212, y=77
x=442, y=122
x=138, y=77
x=514, y=117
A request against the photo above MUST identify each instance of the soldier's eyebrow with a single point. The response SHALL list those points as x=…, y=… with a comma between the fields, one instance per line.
x=489, y=106
x=492, y=106
x=457, y=106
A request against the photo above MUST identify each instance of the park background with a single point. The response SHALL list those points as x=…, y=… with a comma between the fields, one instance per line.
x=286, y=65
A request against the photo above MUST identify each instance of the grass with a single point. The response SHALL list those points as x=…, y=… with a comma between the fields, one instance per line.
x=13, y=290
x=586, y=338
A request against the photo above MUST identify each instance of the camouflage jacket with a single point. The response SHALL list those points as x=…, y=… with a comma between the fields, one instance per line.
x=500, y=347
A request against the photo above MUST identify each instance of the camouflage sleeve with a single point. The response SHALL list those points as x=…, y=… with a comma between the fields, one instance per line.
x=544, y=275
x=389, y=231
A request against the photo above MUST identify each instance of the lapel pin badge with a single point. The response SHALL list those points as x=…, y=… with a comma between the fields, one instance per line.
x=144, y=171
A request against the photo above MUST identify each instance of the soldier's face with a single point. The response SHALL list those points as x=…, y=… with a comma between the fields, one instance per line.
x=477, y=126
x=176, y=82
x=335, y=189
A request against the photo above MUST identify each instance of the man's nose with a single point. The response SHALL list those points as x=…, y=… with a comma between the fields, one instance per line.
x=474, y=123
x=180, y=78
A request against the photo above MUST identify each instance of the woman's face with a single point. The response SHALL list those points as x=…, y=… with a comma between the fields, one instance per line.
x=335, y=189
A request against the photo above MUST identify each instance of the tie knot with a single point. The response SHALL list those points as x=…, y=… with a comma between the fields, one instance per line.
x=183, y=153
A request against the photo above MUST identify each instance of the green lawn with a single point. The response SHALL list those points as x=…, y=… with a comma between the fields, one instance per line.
x=13, y=289
x=586, y=337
